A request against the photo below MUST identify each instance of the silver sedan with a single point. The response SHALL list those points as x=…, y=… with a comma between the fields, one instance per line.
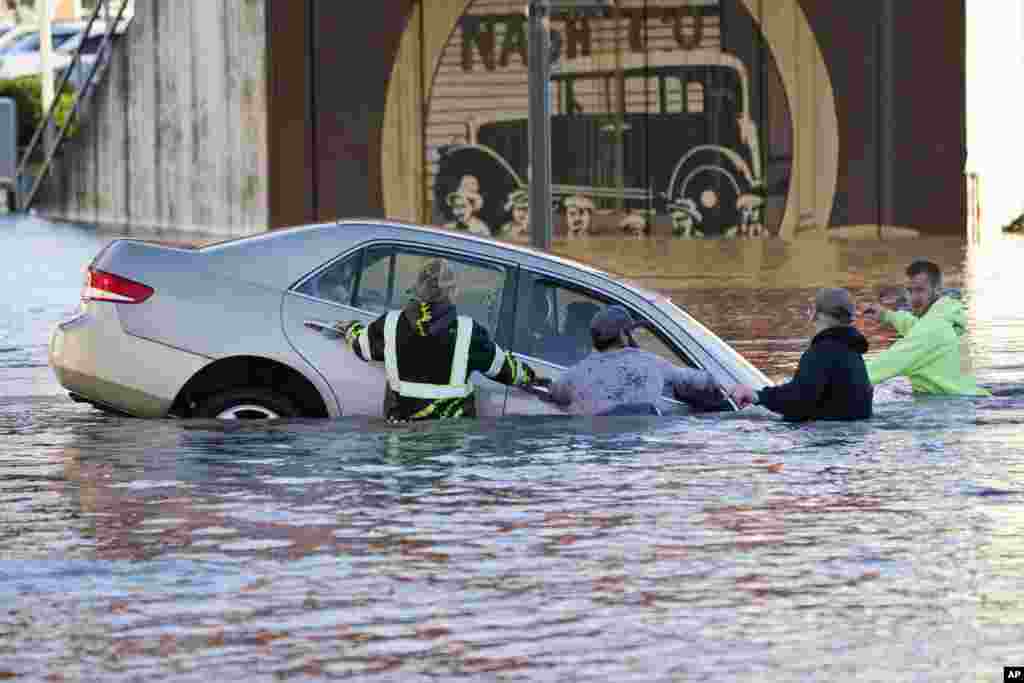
x=233, y=330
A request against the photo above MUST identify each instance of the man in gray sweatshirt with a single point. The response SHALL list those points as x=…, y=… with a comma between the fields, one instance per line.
x=621, y=379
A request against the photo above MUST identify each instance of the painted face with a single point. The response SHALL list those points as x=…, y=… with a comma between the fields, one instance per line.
x=469, y=184
x=922, y=294
x=683, y=224
x=520, y=215
x=682, y=220
x=750, y=215
x=578, y=219
x=635, y=228
x=461, y=211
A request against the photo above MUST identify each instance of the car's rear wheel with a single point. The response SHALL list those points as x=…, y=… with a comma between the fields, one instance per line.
x=250, y=403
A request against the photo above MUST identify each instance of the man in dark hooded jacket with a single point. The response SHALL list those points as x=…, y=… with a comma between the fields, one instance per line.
x=429, y=351
x=831, y=381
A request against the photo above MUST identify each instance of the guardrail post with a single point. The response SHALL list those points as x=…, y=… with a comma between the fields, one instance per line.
x=9, y=150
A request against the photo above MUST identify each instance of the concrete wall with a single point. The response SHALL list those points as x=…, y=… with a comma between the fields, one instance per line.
x=175, y=136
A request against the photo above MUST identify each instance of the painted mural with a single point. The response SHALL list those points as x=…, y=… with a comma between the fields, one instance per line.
x=668, y=118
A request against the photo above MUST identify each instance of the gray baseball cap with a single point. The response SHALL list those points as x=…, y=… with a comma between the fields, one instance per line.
x=836, y=302
x=611, y=322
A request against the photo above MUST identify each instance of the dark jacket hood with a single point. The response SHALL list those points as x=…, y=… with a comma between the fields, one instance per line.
x=847, y=335
x=429, y=319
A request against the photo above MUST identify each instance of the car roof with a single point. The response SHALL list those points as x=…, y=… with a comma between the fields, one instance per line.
x=650, y=60
x=311, y=241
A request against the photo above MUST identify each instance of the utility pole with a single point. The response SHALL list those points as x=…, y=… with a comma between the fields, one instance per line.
x=46, y=65
x=887, y=93
x=45, y=52
x=540, y=125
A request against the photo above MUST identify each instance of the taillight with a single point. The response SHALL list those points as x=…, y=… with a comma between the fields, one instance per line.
x=103, y=286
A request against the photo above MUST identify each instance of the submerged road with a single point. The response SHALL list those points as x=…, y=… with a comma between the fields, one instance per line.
x=701, y=548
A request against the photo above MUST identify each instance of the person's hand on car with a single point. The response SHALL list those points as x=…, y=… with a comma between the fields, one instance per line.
x=873, y=312
x=343, y=326
x=743, y=395
x=544, y=382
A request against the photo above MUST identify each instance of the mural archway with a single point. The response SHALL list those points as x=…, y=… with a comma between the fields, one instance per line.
x=694, y=148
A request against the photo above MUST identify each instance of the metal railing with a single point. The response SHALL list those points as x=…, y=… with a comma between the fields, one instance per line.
x=22, y=203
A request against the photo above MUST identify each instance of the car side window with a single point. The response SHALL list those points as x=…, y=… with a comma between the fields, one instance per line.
x=376, y=280
x=553, y=321
x=553, y=324
x=90, y=46
x=649, y=340
x=336, y=283
x=674, y=96
x=642, y=95
x=29, y=43
x=695, y=97
x=388, y=278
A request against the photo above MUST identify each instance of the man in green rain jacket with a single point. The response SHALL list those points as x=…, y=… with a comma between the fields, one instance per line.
x=928, y=354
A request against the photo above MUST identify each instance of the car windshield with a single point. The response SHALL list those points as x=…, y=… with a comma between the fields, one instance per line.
x=712, y=342
x=669, y=90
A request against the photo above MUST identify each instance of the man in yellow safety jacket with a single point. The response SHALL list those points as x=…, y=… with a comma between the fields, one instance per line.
x=429, y=352
x=928, y=353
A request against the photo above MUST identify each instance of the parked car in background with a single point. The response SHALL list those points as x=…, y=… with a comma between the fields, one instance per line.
x=8, y=38
x=223, y=331
x=21, y=56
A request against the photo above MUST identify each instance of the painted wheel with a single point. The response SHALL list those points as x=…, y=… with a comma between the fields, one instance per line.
x=714, y=184
x=253, y=403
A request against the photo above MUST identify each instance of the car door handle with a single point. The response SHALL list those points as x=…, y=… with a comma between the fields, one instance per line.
x=326, y=329
x=542, y=393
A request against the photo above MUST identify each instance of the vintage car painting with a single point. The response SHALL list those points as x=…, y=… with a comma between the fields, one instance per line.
x=686, y=134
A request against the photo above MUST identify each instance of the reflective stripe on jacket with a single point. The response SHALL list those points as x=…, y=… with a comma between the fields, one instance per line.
x=457, y=387
x=434, y=352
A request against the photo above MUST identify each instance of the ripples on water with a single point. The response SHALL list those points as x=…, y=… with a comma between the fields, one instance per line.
x=700, y=548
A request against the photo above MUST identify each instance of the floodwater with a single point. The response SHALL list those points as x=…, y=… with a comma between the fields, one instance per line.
x=710, y=548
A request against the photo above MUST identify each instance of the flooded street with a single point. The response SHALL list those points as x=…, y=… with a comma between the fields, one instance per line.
x=707, y=548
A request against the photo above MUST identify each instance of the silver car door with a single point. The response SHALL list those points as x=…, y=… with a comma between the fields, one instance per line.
x=366, y=284
x=326, y=297
x=542, y=337
x=358, y=386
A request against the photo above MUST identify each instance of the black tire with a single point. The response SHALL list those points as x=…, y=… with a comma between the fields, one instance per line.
x=247, y=403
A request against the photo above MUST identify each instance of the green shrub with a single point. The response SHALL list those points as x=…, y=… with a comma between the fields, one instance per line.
x=27, y=95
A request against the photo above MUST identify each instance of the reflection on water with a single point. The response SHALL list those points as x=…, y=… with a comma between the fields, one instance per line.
x=754, y=292
x=547, y=547
x=707, y=547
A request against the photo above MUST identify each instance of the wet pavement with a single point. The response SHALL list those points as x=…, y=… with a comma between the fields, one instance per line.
x=723, y=548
